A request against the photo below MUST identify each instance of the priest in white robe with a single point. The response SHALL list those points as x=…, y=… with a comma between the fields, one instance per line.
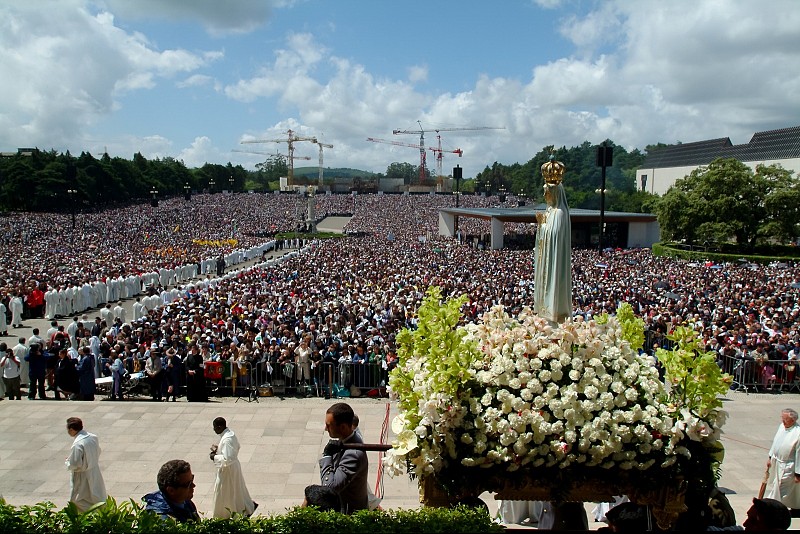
x=230, y=492
x=86, y=484
x=784, y=462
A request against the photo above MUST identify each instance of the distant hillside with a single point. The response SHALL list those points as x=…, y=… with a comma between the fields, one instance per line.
x=311, y=172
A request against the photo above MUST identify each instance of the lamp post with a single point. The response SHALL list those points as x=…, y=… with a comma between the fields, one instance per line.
x=457, y=175
x=154, y=200
x=72, y=193
x=604, y=159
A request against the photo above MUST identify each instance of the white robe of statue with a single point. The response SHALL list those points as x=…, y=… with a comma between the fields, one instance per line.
x=552, y=297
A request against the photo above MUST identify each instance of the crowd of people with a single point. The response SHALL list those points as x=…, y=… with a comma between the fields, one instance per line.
x=329, y=310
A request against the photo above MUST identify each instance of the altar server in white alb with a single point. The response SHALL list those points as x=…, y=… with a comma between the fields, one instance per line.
x=230, y=492
x=784, y=462
x=86, y=481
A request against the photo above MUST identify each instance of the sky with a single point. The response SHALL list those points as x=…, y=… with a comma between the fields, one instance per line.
x=192, y=79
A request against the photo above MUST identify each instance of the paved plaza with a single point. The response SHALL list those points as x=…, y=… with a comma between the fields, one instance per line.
x=281, y=441
x=281, y=438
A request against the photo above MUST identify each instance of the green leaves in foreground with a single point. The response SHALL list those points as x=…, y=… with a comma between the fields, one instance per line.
x=129, y=516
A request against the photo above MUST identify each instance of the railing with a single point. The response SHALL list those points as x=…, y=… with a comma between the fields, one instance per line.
x=761, y=375
x=323, y=379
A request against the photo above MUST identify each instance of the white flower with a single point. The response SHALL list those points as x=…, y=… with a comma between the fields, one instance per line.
x=398, y=424
x=406, y=441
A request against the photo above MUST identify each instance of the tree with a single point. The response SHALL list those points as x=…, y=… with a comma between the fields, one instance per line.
x=782, y=203
x=727, y=200
x=406, y=171
x=272, y=170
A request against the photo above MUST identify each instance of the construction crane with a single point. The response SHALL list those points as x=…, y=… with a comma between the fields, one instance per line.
x=421, y=133
x=438, y=151
x=320, y=159
x=290, y=140
x=270, y=154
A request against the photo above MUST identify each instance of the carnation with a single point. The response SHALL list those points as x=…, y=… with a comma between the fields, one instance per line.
x=510, y=393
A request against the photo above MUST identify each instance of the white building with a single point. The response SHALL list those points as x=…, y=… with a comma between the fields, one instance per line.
x=664, y=166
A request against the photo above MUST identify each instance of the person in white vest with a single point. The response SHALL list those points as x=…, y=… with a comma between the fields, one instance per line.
x=88, y=296
x=3, y=322
x=107, y=315
x=120, y=312
x=100, y=293
x=783, y=465
x=230, y=491
x=77, y=299
x=16, y=311
x=138, y=309
x=87, y=487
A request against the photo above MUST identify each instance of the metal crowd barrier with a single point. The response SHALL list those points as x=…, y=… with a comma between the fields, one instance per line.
x=325, y=379
x=761, y=375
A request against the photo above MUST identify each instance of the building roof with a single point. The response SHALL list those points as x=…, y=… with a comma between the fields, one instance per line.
x=527, y=214
x=768, y=145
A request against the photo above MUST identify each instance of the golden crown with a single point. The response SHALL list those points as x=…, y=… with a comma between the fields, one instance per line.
x=553, y=171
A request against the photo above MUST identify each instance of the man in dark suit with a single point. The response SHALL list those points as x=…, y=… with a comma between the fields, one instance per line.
x=344, y=470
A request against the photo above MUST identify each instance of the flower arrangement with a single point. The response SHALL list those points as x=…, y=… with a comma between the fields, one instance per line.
x=517, y=394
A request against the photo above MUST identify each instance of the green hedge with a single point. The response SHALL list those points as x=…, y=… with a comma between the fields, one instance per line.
x=671, y=250
x=129, y=516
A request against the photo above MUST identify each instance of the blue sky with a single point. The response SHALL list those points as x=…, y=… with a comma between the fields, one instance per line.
x=191, y=79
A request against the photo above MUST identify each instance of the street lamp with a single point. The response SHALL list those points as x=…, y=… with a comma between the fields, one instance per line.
x=602, y=193
x=187, y=191
x=72, y=193
x=154, y=200
x=457, y=173
x=604, y=159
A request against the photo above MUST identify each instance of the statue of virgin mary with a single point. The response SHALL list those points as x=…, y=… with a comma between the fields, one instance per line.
x=552, y=292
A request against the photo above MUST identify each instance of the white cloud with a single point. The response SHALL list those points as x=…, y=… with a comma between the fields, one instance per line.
x=63, y=68
x=200, y=152
x=218, y=17
x=548, y=4
x=643, y=72
x=196, y=80
x=640, y=72
x=418, y=73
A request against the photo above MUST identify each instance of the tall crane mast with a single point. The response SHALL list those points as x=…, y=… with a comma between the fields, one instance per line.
x=421, y=133
x=320, y=159
x=291, y=139
x=438, y=151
